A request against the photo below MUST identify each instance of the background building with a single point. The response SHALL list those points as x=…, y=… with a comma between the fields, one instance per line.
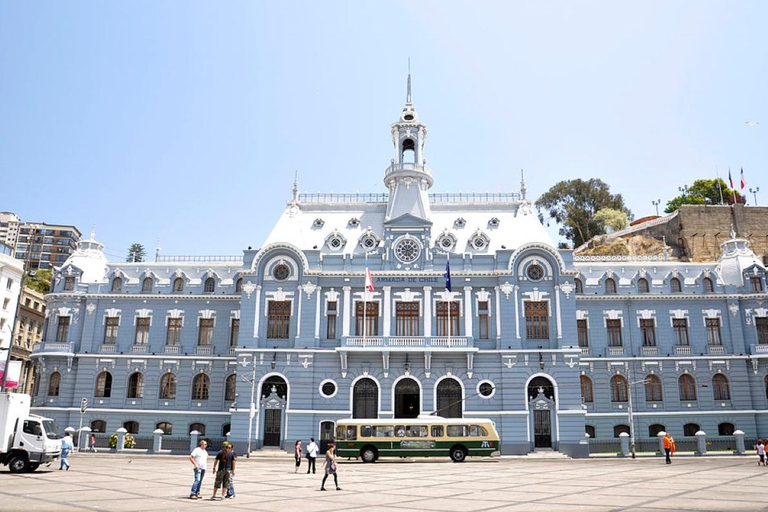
x=27, y=332
x=44, y=245
x=11, y=271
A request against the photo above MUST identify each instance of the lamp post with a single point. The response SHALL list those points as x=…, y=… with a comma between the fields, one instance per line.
x=629, y=412
x=754, y=193
x=656, y=203
x=252, y=406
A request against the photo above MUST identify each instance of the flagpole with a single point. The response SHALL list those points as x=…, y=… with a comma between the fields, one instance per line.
x=450, y=298
x=365, y=294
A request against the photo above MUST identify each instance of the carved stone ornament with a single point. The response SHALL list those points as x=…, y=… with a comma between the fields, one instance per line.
x=309, y=289
x=733, y=308
x=248, y=288
x=90, y=308
x=567, y=288
x=507, y=289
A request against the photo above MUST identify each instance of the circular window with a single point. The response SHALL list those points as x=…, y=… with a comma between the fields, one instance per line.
x=335, y=242
x=478, y=242
x=535, y=273
x=408, y=117
x=445, y=242
x=368, y=243
x=486, y=389
x=407, y=250
x=281, y=272
x=328, y=389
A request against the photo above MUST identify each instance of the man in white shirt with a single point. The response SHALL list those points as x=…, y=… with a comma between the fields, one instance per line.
x=199, y=459
x=312, y=450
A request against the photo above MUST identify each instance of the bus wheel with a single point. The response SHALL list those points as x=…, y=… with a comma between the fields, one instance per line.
x=458, y=454
x=369, y=454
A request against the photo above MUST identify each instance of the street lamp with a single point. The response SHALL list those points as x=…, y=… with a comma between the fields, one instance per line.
x=629, y=412
x=252, y=406
x=754, y=193
x=656, y=203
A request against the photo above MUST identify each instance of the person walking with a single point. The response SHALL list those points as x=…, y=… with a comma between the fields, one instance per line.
x=66, y=446
x=312, y=450
x=222, y=474
x=199, y=459
x=330, y=467
x=232, y=459
x=669, y=447
x=297, y=453
x=760, y=453
x=93, y=443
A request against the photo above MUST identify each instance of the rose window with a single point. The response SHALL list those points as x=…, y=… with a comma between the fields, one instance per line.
x=407, y=250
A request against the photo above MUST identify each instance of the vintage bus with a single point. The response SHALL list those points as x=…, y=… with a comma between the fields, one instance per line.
x=425, y=436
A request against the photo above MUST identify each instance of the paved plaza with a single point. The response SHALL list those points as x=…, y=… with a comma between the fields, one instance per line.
x=145, y=482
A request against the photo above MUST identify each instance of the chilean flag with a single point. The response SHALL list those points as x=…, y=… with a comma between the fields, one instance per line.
x=368, y=278
x=743, y=180
x=730, y=180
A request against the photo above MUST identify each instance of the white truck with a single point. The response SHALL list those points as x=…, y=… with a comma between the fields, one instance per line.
x=26, y=440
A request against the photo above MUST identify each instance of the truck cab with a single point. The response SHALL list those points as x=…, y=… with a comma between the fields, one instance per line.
x=26, y=440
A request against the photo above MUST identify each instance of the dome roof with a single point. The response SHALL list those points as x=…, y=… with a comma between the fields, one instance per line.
x=734, y=260
x=89, y=258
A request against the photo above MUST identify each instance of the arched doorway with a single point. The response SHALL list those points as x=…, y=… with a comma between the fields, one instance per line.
x=274, y=396
x=326, y=435
x=407, y=399
x=449, y=399
x=365, y=399
x=541, y=403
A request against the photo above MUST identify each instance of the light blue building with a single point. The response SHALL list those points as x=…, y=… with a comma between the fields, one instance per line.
x=281, y=342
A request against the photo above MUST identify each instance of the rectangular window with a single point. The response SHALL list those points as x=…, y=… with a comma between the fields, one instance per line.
x=761, y=322
x=713, y=331
x=278, y=319
x=62, y=332
x=142, y=331
x=443, y=319
x=205, y=332
x=9, y=284
x=234, y=332
x=371, y=319
x=6, y=301
x=482, y=316
x=648, y=328
x=614, y=333
x=173, y=335
x=332, y=315
x=583, y=330
x=111, y=324
x=537, y=320
x=407, y=319
x=757, y=284
x=69, y=284
x=680, y=326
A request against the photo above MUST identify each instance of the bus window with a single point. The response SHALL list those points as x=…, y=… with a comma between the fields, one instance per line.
x=416, y=431
x=477, y=431
x=456, y=431
x=365, y=431
x=437, y=431
x=400, y=431
x=351, y=433
x=383, y=431
x=340, y=433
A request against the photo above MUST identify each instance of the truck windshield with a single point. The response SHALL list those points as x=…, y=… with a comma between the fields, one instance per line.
x=51, y=429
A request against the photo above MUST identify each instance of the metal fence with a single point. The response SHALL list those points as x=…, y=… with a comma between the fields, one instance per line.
x=682, y=444
x=172, y=444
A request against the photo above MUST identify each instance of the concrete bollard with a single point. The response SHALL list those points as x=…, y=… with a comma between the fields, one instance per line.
x=157, y=442
x=701, y=443
x=740, y=448
x=194, y=437
x=661, y=435
x=624, y=444
x=84, y=439
x=121, y=439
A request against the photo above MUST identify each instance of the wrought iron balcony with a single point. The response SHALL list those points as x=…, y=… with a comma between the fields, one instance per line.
x=408, y=342
x=53, y=346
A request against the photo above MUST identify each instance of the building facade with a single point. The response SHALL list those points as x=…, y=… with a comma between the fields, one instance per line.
x=282, y=342
x=11, y=271
x=28, y=331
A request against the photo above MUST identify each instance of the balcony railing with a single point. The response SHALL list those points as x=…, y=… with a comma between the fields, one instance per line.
x=682, y=349
x=52, y=346
x=615, y=351
x=409, y=341
x=760, y=349
x=585, y=351
x=172, y=349
x=107, y=348
x=716, y=349
x=139, y=349
x=650, y=351
x=204, y=349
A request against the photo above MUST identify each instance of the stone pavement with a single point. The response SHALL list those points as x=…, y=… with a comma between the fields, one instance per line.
x=118, y=482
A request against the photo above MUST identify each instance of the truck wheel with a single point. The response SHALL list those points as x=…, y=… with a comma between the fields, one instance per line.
x=33, y=466
x=18, y=464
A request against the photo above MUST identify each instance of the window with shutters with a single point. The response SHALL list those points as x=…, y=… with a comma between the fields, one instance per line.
x=278, y=319
x=444, y=319
x=537, y=320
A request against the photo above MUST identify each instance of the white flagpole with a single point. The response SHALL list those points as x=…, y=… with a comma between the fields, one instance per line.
x=365, y=295
x=450, y=299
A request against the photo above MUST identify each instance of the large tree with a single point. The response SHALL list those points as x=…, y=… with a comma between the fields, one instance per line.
x=39, y=280
x=704, y=192
x=136, y=253
x=574, y=203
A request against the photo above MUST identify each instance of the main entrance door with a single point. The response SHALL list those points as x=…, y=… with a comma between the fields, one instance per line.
x=542, y=429
x=407, y=399
x=272, y=427
x=326, y=435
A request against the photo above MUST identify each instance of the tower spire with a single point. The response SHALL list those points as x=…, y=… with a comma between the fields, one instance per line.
x=296, y=187
x=523, y=190
x=408, y=96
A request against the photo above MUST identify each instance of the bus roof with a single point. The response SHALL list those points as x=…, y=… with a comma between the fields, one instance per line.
x=431, y=420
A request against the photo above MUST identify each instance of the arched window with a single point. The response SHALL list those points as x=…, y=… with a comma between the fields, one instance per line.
x=541, y=382
x=620, y=429
x=674, y=285
x=229, y=388
x=117, y=284
x=200, y=387
x=199, y=427
x=610, y=286
x=618, y=389
x=642, y=285
x=709, y=286
x=653, y=391
x=365, y=400
x=54, y=381
x=653, y=430
x=590, y=431
x=239, y=285
x=277, y=382
x=146, y=285
x=409, y=151
x=103, y=385
x=579, y=286
x=210, y=285
x=725, y=429
x=166, y=427
x=587, y=394
x=178, y=285
x=135, y=385
x=131, y=426
x=720, y=387
x=99, y=426
x=449, y=399
x=690, y=429
x=687, y=386
x=225, y=429
x=168, y=386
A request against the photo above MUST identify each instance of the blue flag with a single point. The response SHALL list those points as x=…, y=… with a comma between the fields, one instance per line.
x=447, y=276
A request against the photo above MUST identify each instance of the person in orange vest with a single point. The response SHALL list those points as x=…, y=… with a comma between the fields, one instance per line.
x=669, y=447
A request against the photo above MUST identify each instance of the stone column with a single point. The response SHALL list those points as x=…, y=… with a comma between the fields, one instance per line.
x=157, y=441
x=624, y=437
x=701, y=443
x=347, y=311
x=121, y=439
x=427, y=311
x=387, y=311
x=257, y=312
x=661, y=435
x=740, y=448
x=194, y=437
x=83, y=438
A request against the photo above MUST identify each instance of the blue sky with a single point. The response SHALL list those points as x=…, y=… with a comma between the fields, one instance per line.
x=185, y=121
